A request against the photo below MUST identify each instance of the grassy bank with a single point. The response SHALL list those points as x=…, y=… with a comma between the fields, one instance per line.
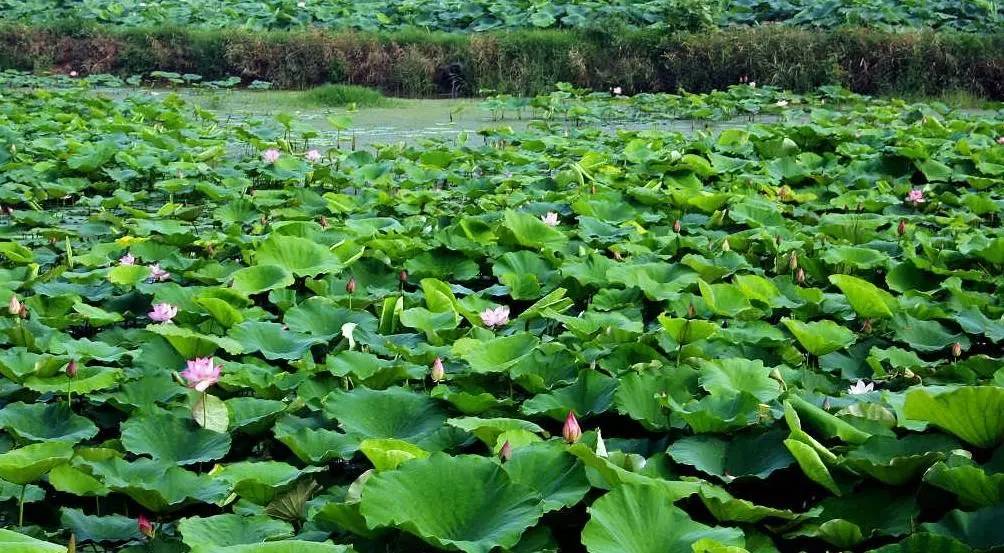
x=426, y=64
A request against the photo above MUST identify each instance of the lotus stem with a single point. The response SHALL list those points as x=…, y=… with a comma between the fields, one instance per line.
x=20, y=507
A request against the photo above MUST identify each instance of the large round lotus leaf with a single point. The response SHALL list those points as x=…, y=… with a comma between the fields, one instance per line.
x=314, y=445
x=467, y=502
x=261, y=278
x=70, y=479
x=285, y=546
x=820, y=337
x=489, y=430
x=260, y=481
x=12, y=542
x=638, y=394
x=158, y=486
x=391, y=413
x=272, y=340
x=547, y=468
x=728, y=377
x=98, y=528
x=495, y=354
x=868, y=300
x=973, y=413
x=40, y=422
x=591, y=393
x=210, y=534
x=980, y=529
x=388, y=453
x=300, y=256
x=323, y=318
x=898, y=461
x=88, y=379
x=642, y=519
x=925, y=543
x=168, y=438
x=29, y=463
x=754, y=455
x=975, y=485
x=252, y=415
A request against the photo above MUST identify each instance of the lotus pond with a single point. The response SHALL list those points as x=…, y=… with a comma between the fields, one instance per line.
x=225, y=337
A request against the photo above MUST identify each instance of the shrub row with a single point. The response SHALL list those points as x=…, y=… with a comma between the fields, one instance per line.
x=420, y=63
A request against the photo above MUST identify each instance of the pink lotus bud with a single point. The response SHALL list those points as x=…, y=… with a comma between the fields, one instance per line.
x=73, y=73
x=793, y=261
x=506, y=452
x=901, y=229
x=15, y=306
x=800, y=276
x=403, y=276
x=691, y=312
x=956, y=350
x=677, y=226
x=350, y=286
x=571, y=431
x=71, y=368
x=438, y=372
x=866, y=326
x=323, y=221
x=146, y=527
x=313, y=156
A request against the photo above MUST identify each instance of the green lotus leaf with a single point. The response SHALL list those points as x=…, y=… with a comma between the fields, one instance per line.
x=27, y=464
x=615, y=469
x=272, y=340
x=70, y=479
x=812, y=465
x=925, y=335
x=715, y=413
x=727, y=508
x=591, y=393
x=323, y=318
x=314, y=445
x=39, y=422
x=252, y=415
x=191, y=344
x=748, y=454
x=925, y=543
x=168, y=438
x=285, y=546
x=489, y=430
x=211, y=534
x=974, y=485
x=638, y=395
x=114, y=528
x=388, y=453
x=868, y=300
x=13, y=542
x=530, y=231
x=980, y=529
x=299, y=256
x=486, y=508
x=636, y=518
x=391, y=413
x=96, y=316
x=546, y=467
x=211, y=413
x=898, y=461
x=726, y=300
x=89, y=379
x=261, y=481
x=495, y=354
x=261, y=278
x=973, y=413
x=158, y=486
x=854, y=256
x=728, y=377
x=224, y=313
x=128, y=275
x=820, y=337
x=822, y=421
x=849, y=520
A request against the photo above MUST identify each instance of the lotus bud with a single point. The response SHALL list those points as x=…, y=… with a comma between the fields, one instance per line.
x=691, y=311
x=71, y=368
x=438, y=372
x=350, y=286
x=601, y=447
x=901, y=229
x=15, y=305
x=793, y=261
x=571, y=431
x=956, y=350
x=800, y=276
x=866, y=326
x=323, y=221
x=146, y=527
x=677, y=226
x=725, y=245
x=506, y=452
x=403, y=276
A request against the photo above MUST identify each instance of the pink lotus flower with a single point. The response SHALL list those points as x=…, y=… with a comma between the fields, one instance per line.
x=551, y=219
x=145, y=527
x=496, y=317
x=73, y=73
x=163, y=312
x=127, y=259
x=915, y=197
x=617, y=91
x=270, y=155
x=571, y=431
x=158, y=274
x=313, y=156
x=201, y=373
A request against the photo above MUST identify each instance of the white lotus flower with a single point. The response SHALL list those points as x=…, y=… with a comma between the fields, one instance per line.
x=347, y=330
x=860, y=387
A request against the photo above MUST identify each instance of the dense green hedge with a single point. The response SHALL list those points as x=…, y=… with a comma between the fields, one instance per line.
x=418, y=63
